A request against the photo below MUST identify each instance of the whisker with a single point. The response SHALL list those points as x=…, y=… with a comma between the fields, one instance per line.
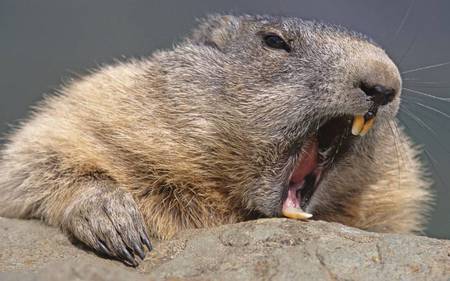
x=405, y=17
x=415, y=80
x=397, y=154
x=413, y=99
x=428, y=84
x=425, y=94
x=399, y=148
x=402, y=142
x=432, y=162
x=426, y=67
x=432, y=87
x=426, y=126
x=433, y=109
x=410, y=46
x=420, y=121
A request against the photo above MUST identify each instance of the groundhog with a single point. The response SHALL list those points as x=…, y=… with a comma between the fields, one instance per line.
x=248, y=117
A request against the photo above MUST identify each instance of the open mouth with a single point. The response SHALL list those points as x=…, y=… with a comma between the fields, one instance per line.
x=323, y=148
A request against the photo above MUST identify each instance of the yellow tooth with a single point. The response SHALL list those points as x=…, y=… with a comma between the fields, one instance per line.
x=358, y=124
x=296, y=213
x=367, y=127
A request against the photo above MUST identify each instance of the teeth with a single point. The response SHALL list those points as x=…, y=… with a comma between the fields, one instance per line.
x=360, y=127
x=358, y=124
x=366, y=127
x=296, y=213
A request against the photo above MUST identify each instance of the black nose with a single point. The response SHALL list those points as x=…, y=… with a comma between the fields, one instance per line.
x=379, y=94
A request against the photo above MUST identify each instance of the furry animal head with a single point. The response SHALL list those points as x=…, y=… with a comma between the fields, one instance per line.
x=286, y=88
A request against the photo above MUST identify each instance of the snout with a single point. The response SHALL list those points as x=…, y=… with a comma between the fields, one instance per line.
x=371, y=84
x=374, y=74
x=373, y=80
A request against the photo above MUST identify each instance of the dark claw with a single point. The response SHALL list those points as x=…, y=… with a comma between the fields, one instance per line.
x=134, y=263
x=138, y=249
x=125, y=254
x=146, y=241
x=102, y=249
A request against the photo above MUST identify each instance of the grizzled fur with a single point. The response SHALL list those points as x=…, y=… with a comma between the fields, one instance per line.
x=204, y=135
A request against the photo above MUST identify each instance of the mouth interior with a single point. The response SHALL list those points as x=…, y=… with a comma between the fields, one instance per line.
x=322, y=149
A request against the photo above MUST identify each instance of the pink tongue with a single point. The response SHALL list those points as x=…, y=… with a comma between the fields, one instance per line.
x=306, y=164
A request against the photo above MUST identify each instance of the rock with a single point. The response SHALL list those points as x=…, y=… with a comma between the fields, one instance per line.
x=269, y=249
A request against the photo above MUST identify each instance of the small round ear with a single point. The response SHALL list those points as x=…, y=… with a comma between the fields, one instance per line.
x=215, y=31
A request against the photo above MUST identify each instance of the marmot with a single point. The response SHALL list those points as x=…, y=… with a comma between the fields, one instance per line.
x=248, y=117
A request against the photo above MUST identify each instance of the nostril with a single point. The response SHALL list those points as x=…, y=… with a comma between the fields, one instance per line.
x=378, y=93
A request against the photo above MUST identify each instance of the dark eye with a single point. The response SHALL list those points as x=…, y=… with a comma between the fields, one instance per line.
x=276, y=42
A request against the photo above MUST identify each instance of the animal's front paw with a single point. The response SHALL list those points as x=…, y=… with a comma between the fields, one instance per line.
x=109, y=222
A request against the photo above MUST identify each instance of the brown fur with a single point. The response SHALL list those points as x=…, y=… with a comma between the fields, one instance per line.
x=197, y=137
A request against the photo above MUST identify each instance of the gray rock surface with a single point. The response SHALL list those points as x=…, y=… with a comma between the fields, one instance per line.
x=269, y=249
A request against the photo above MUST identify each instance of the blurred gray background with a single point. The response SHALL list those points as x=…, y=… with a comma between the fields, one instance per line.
x=42, y=43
